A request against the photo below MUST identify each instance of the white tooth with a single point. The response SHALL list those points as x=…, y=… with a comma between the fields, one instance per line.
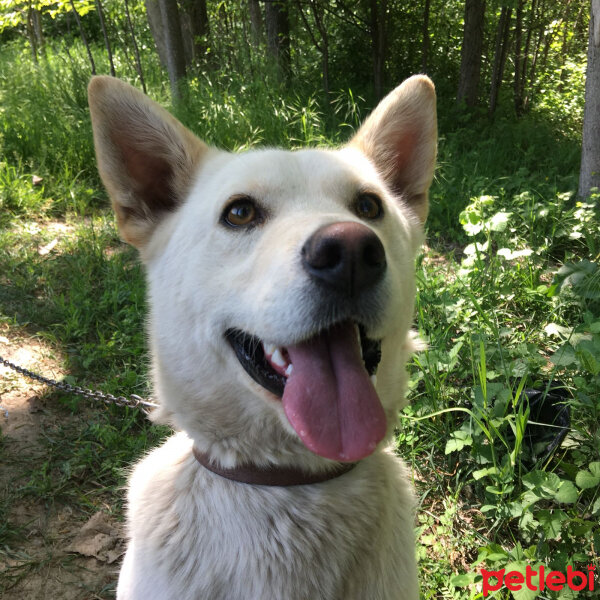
x=289, y=370
x=269, y=348
x=374, y=380
x=357, y=330
x=277, y=358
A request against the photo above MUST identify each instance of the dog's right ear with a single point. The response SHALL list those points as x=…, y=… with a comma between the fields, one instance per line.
x=400, y=137
x=146, y=158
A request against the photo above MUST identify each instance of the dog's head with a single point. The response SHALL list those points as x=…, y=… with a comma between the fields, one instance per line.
x=280, y=282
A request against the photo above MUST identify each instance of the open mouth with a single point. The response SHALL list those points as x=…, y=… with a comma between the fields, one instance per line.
x=326, y=385
x=270, y=365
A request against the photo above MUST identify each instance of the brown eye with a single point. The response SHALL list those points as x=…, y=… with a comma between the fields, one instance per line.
x=368, y=206
x=242, y=212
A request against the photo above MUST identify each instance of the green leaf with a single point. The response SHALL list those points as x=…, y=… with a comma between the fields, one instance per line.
x=564, y=356
x=589, y=356
x=567, y=594
x=524, y=593
x=581, y=529
x=527, y=521
x=509, y=254
x=551, y=484
x=483, y=472
x=463, y=580
x=534, y=479
x=566, y=493
x=530, y=497
x=495, y=557
x=499, y=221
x=551, y=522
x=581, y=277
x=588, y=479
x=499, y=491
x=515, y=509
x=458, y=440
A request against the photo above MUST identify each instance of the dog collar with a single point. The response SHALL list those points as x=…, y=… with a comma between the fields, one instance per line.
x=271, y=476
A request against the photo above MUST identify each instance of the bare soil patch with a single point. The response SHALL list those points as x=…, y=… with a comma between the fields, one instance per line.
x=46, y=549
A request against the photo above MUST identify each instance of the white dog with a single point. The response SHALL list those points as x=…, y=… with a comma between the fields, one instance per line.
x=279, y=283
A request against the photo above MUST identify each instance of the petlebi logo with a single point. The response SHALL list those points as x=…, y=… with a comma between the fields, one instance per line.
x=538, y=579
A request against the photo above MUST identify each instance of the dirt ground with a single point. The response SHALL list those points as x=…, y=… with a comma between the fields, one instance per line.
x=51, y=551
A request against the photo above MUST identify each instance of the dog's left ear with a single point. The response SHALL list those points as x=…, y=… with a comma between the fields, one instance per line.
x=400, y=138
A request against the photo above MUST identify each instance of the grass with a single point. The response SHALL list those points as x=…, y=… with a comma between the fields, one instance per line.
x=509, y=300
x=495, y=326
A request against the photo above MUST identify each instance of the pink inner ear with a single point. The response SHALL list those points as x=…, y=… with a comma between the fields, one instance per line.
x=151, y=173
x=401, y=160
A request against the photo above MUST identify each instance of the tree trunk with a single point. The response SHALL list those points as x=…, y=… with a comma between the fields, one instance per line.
x=136, y=50
x=536, y=53
x=524, y=66
x=519, y=58
x=196, y=24
x=256, y=23
x=548, y=40
x=36, y=19
x=155, y=22
x=425, y=36
x=318, y=15
x=278, y=34
x=105, y=35
x=325, y=65
x=500, y=52
x=31, y=34
x=565, y=46
x=470, y=62
x=379, y=44
x=174, y=46
x=323, y=45
x=589, y=176
x=83, y=38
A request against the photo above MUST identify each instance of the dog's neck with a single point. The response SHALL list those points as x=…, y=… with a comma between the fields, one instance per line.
x=271, y=476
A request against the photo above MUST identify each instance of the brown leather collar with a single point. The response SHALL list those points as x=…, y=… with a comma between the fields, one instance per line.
x=273, y=476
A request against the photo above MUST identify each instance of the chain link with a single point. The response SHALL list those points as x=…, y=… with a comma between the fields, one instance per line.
x=133, y=401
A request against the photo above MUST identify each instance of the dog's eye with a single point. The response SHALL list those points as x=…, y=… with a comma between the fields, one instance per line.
x=368, y=206
x=241, y=212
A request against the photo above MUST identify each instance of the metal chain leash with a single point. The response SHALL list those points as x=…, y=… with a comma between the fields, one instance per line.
x=133, y=401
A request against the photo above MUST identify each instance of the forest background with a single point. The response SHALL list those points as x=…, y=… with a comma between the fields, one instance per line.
x=502, y=433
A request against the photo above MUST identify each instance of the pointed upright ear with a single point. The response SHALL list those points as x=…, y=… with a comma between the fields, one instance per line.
x=400, y=138
x=146, y=158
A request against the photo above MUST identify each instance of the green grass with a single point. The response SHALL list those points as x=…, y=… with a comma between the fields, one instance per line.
x=509, y=298
x=496, y=323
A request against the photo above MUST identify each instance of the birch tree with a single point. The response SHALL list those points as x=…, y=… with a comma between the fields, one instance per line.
x=589, y=175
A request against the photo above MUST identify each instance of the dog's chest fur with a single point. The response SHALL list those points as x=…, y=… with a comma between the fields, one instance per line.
x=340, y=540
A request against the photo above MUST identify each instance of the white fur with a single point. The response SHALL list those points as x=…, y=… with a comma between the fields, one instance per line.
x=192, y=533
x=196, y=535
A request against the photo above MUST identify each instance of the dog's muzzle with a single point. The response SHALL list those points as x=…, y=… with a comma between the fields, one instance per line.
x=326, y=380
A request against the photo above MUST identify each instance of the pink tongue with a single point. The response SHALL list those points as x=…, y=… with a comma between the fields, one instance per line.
x=329, y=399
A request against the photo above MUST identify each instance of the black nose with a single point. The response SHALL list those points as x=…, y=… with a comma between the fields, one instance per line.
x=347, y=257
